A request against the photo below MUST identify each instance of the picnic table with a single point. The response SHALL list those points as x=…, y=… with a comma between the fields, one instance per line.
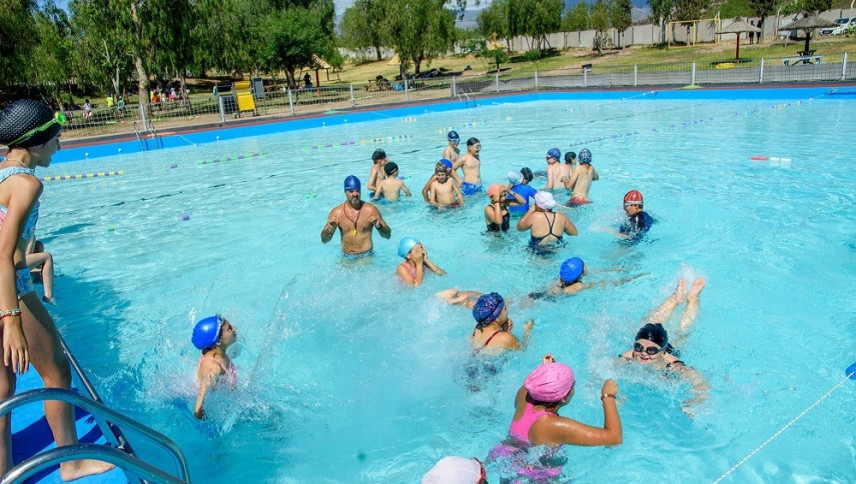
x=378, y=85
x=805, y=57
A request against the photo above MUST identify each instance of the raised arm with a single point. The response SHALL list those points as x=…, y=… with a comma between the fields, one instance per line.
x=569, y=431
x=331, y=226
x=570, y=228
x=380, y=224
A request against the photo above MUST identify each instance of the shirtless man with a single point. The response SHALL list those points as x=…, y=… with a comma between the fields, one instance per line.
x=581, y=178
x=471, y=165
x=376, y=174
x=554, y=169
x=355, y=219
x=445, y=193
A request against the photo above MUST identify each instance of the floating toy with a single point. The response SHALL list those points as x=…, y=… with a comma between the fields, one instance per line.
x=768, y=158
x=85, y=175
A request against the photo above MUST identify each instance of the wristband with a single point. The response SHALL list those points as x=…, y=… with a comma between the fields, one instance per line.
x=610, y=395
x=10, y=312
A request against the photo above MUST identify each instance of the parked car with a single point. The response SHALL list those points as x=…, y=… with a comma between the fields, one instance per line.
x=843, y=24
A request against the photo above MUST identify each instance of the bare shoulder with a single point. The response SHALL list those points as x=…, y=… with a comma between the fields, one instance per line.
x=504, y=338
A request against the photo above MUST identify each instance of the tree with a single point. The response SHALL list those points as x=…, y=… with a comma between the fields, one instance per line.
x=52, y=53
x=661, y=11
x=620, y=16
x=419, y=30
x=293, y=36
x=361, y=26
x=544, y=17
x=100, y=47
x=600, y=22
x=494, y=19
x=17, y=30
x=576, y=18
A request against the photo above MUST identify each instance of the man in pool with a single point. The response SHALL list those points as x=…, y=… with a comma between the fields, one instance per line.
x=580, y=179
x=376, y=174
x=471, y=165
x=355, y=220
x=452, y=152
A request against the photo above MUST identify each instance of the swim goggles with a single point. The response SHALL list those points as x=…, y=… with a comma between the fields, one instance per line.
x=650, y=350
x=59, y=118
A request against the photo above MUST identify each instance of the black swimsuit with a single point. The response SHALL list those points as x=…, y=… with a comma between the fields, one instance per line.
x=537, y=240
x=494, y=227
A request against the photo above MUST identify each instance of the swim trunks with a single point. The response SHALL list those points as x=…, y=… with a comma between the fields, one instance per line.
x=23, y=282
x=469, y=188
x=576, y=201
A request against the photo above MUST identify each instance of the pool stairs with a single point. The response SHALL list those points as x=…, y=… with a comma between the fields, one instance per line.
x=99, y=430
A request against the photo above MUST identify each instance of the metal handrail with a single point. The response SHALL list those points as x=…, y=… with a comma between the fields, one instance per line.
x=99, y=409
x=154, y=134
x=144, y=145
x=138, y=468
x=119, y=439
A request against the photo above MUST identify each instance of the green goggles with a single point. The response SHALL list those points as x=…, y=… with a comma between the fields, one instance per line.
x=59, y=118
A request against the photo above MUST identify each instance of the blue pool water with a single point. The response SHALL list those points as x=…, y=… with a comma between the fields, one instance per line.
x=346, y=376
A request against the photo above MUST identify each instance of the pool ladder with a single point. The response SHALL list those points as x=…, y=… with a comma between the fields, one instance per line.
x=153, y=135
x=467, y=96
x=118, y=452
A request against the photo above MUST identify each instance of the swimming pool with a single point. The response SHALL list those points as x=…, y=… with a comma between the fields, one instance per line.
x=346, y=376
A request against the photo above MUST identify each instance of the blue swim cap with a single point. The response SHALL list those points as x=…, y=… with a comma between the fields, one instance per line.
x=554, y=153
x=206, y=333
x=446, y=162
x=571, y=270
x=453, y=136
x=488, y=308
x=352, y=183
x=405, y=246
x=585, y=156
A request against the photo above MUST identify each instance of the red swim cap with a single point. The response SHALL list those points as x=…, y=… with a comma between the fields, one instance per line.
x=633, y=197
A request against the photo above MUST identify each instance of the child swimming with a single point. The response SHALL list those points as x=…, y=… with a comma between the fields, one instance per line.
x=213, y=335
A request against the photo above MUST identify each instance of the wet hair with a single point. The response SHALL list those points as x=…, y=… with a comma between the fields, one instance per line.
x=441, y=167
x=570, y=156
x=472, y=141
x=654, y=333
x=22, y=116
x=527, y=174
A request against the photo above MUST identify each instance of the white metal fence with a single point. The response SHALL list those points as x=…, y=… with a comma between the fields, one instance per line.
x=149, y=120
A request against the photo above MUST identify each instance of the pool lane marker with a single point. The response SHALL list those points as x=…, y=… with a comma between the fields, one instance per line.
x=82, y=176
x=224, y=160
x=851, y=375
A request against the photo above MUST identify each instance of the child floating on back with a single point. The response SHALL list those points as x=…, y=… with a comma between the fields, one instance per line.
x=213, y=335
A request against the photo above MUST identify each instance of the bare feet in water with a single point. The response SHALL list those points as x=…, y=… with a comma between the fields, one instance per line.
x=698, y=285
x=76, y=469
x=679, y=291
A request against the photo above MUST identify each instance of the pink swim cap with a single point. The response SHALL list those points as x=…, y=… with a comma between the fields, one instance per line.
x=550, y=382
x=494, y=189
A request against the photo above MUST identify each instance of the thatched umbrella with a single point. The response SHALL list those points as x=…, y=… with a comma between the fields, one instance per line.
x=738, y=27
x=809, y=23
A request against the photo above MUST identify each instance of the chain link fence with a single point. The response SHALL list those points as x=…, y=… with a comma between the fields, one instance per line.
x=149, y=121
